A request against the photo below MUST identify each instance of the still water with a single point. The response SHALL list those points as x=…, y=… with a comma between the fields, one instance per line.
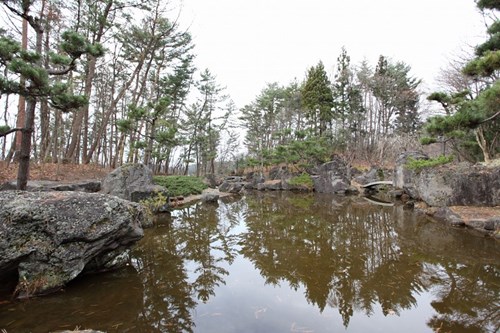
x=284, y=262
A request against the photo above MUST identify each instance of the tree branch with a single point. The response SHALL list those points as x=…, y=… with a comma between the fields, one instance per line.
x=490, y=118
x=63, y=71
x=12, y=130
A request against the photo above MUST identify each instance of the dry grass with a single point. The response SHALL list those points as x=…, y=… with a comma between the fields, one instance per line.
x=56, y=172
x=469, y=213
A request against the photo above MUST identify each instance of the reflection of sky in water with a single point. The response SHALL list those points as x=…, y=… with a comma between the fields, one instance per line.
x=246, y=304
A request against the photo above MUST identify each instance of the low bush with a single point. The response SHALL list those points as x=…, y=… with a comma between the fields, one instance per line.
x=180, y=185
x=417, y=165
x=304, y=179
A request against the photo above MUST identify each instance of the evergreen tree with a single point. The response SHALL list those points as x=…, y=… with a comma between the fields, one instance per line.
x=38, y=85
x=397, y=97
x=467, y=114
x=317, y=99
x=347, y=100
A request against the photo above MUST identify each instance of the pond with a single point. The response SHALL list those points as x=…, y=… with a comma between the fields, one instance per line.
x=284, y=262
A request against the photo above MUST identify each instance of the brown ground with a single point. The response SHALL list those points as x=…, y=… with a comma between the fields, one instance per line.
x=56, y=172
x=469, y=213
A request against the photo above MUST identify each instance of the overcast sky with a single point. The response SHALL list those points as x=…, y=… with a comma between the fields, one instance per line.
x=248, y=43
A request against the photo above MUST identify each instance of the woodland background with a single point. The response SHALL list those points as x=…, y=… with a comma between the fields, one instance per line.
x=113, y=82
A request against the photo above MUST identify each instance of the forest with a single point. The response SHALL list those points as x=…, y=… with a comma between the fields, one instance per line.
x=114, y=81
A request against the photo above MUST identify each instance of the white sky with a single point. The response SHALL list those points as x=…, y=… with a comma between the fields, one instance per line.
x=248, y=43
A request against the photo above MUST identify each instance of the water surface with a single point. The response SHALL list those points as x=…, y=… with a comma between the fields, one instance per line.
x=284, y=262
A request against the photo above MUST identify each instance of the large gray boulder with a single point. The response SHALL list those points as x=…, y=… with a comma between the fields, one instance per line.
x=460, y=184
x=333, y=177
x=132, y=182
x=404, y=177
x=253, y=180
x=233, y=184
x=49, y=238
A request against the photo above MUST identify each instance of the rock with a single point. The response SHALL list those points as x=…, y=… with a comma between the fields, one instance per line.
x=52, y=237
x=493, y=223
x=372, y=175
x=446, y=215
x=212, y=180
x=253, y=179
x=404, y=177
x=232, y=187
x=396, y=193
x=332, y=177
x=209, y=197
x=132, y=182
x=449, y=185
x=233, y=184
x=270, y=185
x=476, y=223
x=89, y=186
x=355, y=172
x=352, y=190
x=279, y=173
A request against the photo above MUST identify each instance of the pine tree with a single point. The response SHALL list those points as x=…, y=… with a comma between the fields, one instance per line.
x=478, y=115
x=39, y=86
x=317, y=99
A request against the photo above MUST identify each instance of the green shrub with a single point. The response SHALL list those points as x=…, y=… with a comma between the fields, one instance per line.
x=417, y=165
x=154, y=203
x=180, y=185
x=427, y=140
x=304, y=179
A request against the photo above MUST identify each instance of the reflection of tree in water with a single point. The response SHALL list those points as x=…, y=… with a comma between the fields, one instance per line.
x=345, y=256
x=348, y=256
x=356, y=256
x=199, y=234
x=468, y=297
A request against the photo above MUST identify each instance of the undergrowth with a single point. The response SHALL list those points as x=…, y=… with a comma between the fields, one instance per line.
x=304, y=179
x=180, y=185
x=417, y=165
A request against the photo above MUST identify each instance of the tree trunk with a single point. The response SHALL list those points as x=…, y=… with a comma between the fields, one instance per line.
x=111, y=108
x=25, y=152
x=483, y=144
x=81, y=118
x=24, y=155
x=21, y=107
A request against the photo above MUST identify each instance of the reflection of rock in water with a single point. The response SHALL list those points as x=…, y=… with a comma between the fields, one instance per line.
x=93, y=301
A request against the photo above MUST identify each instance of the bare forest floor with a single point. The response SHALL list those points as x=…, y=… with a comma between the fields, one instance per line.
x=55, y=172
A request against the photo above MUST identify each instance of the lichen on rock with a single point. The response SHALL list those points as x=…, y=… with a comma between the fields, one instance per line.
x=52, y=237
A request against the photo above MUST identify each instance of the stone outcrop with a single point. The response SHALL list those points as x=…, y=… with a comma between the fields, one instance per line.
x=372, y=175
x=459, y=185
x=90, y=186
x=253, y=179
x=208, y=196
x=212, y=180
x=50, y=238
x=404, y=177
x=132, y=182
x=333, y=177
x=270, y=185
x=233, y=184
x=462, y=184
